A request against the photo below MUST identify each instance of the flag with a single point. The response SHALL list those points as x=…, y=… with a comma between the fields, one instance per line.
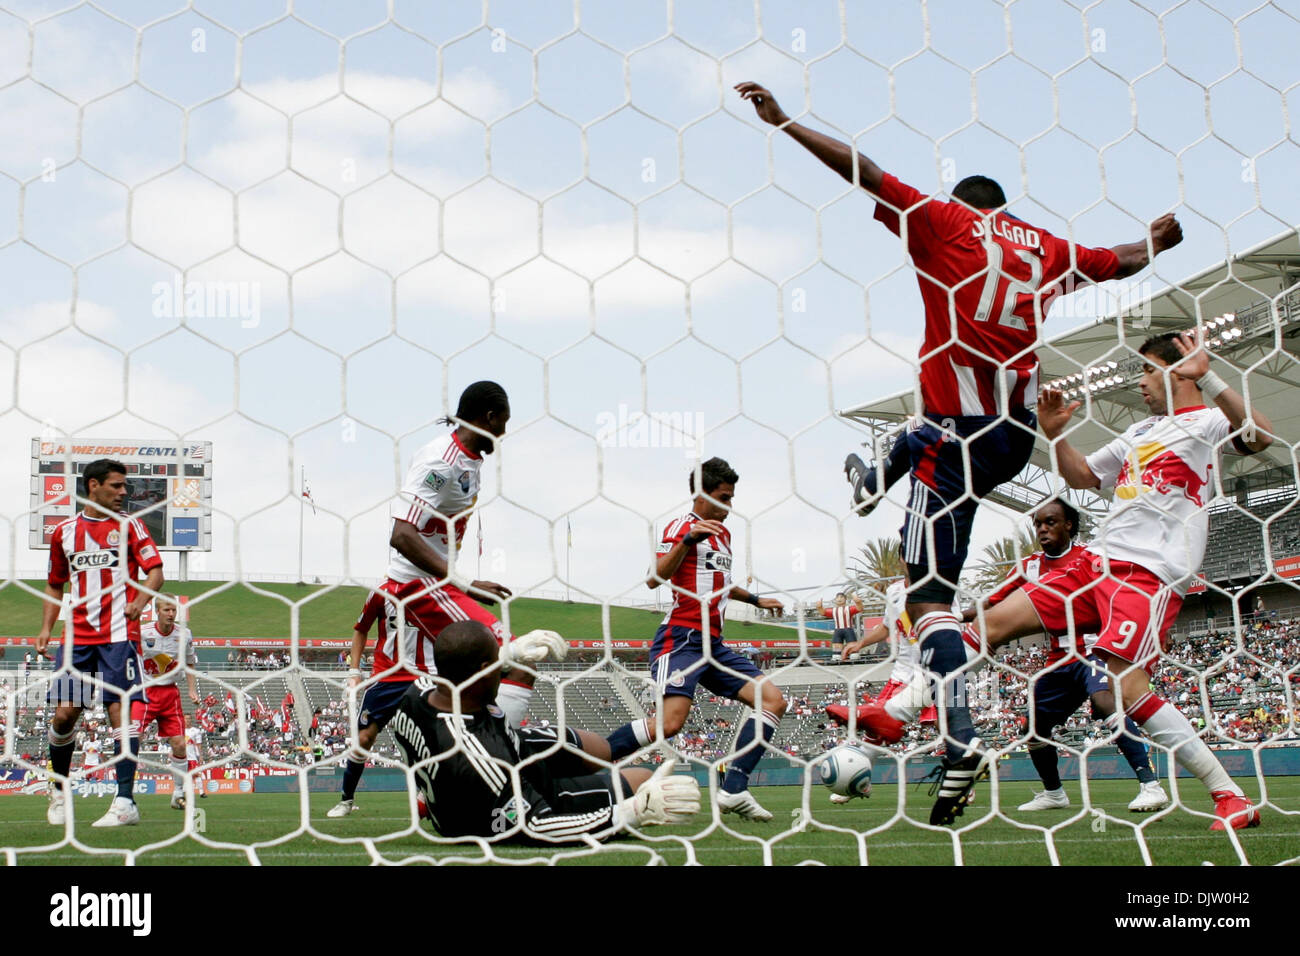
x=306, y=493
x=230, y=702
x=569, y=525
x=478, y=526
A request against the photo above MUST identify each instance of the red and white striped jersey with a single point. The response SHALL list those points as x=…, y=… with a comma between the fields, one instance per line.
x=841, y=614
x=396, y=642
x=437, y=497
x=1002, y=275
x=162, y=653
x=88, y=553
x=1039, y=567
x=703, y=578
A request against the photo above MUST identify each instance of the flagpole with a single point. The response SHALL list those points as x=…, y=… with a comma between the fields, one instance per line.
x=478, y=526
x=568, y=553
x=302, y=504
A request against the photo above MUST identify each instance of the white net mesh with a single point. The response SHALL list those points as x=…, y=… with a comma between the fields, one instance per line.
x=300, y=233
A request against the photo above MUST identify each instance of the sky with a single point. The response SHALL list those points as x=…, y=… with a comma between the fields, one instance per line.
x=568, y=198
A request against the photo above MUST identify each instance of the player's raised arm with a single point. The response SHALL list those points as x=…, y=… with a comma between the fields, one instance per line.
x=1195, y=366
x=839, y=156
x=1136, y=256
x=1053, y=416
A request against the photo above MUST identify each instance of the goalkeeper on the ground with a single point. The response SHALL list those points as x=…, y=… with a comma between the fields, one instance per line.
x=480, y=777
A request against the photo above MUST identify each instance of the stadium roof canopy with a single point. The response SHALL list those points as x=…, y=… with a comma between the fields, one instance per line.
x=1251, y=304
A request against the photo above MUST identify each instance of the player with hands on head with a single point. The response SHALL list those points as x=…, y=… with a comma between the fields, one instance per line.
x=482, y=777
x=694, y=556
x=987, y=280
x=1129, y=585
x=100, y=552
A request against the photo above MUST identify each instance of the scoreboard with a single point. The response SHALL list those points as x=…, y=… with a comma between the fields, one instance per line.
x=169, y=487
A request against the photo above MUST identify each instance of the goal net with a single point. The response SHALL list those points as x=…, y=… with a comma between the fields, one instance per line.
x=299, y=234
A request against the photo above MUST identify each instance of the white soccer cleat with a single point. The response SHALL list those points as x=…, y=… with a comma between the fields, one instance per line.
x=1046, y=800
x=56, y=814
x=743, y=805
x=178, y=801
x=121, y=813
x=840, y=798
x=1150, y=798
x=343, y=808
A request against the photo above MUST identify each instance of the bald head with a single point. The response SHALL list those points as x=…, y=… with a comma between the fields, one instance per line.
x=463, y=649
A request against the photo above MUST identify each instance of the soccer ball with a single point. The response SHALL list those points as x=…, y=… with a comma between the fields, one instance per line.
x=846, y=770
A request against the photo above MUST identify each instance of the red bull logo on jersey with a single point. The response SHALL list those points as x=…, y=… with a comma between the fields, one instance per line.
x=1159, y=469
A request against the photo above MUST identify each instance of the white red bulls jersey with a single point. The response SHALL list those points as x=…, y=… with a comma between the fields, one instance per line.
x=1162, y=473
x=90, y=755
x=702, y=580
x=908, y=662
x=193, y=740
x=437, y=497
x=396, y=642
x=87, y=552
x=162, y=653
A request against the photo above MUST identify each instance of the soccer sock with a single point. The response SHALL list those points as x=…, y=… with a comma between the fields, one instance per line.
x=513, y=699
x=737, y=778
x=61, y=746
x=1135, y=751
x=126, y=766
x=180, y=767
x=1166, y=726
x=353, y=768
x=629, y=738
x=939, y=634
x=1044, y=758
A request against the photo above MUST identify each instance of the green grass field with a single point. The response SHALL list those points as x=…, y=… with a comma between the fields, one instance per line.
x=833, y=837
x=239, y=611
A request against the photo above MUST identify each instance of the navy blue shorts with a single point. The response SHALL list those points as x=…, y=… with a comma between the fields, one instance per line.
x=380, y=703
x=1060, y=692
x=946, y=490
x=678, y=664
x=117, y=665
x=844, y=635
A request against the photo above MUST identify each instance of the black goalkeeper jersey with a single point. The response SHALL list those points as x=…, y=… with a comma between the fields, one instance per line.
x=472, y=792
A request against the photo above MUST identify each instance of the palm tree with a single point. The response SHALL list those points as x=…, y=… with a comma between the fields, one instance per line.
x=999, y=557
x=882, y=559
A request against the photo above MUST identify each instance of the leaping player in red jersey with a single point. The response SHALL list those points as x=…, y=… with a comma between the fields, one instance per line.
x=101, y=553
x=168, y=651
x=987, y=280
x=694, y=556
x=1128, y=585
x=424, y=594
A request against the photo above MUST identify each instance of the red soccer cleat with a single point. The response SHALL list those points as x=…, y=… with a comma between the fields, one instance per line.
x=1238, y=811
x=874, y=722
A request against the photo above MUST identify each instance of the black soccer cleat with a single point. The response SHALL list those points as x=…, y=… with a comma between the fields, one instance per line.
x=863, y=480
x=956, y=782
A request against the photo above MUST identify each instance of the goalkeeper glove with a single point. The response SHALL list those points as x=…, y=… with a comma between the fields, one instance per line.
x=664, y=798
x=533, y=647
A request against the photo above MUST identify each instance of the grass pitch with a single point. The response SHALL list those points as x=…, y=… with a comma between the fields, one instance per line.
x=240, y=611
x=837, y=835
